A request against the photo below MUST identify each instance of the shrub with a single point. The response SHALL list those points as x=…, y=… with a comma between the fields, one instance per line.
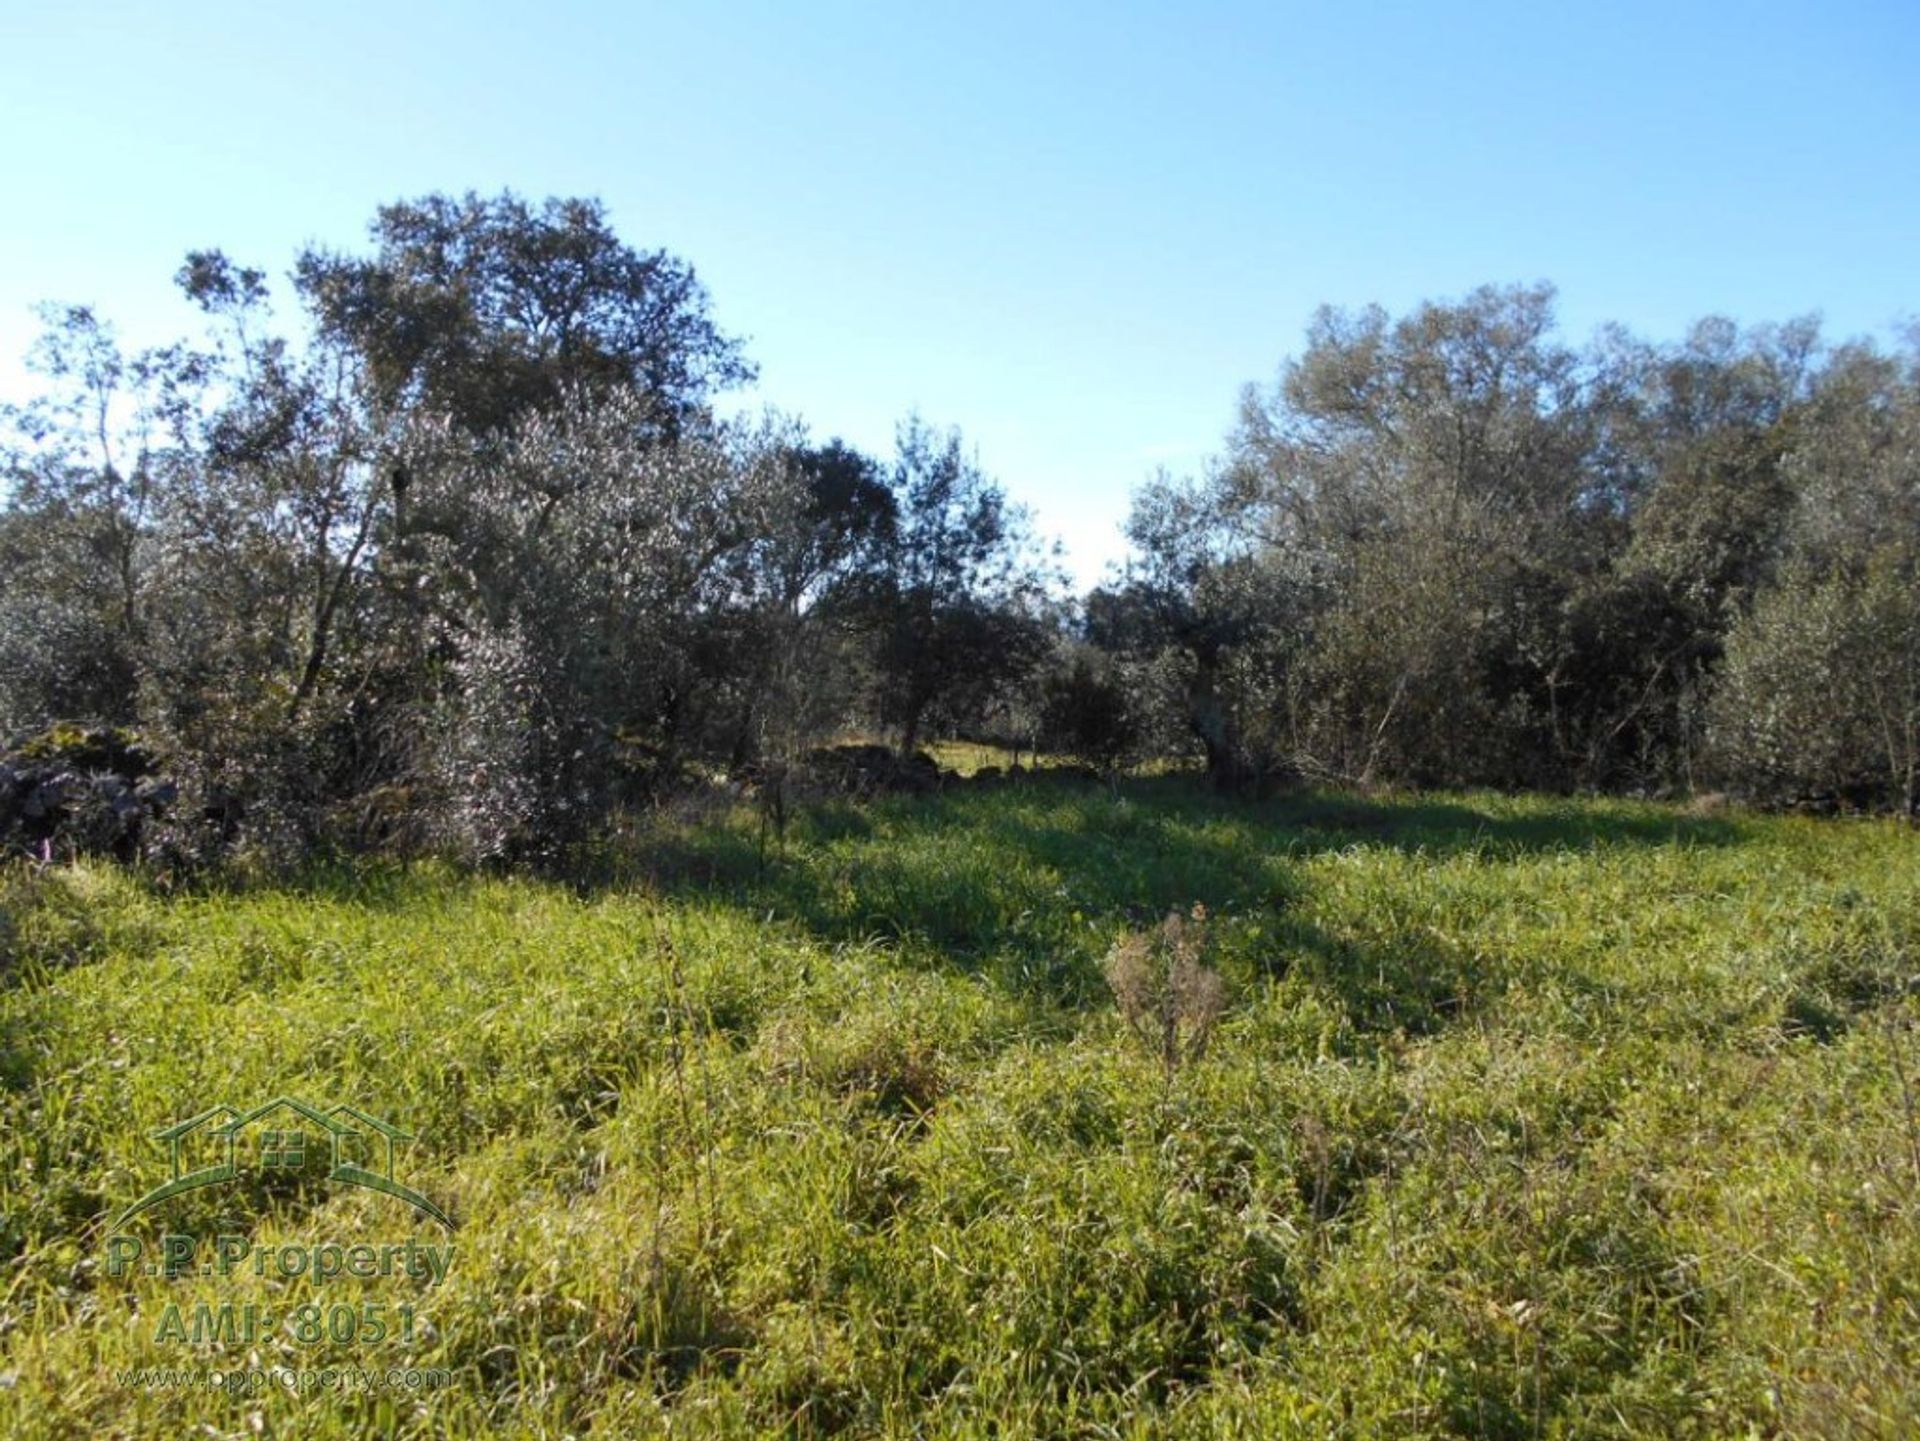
x=1820, y=696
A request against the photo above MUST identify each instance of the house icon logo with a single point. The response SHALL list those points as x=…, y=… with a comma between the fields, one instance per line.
x=284, y=1136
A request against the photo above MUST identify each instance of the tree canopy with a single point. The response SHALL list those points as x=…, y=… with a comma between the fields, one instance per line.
x=464, y=557
x=492, y=309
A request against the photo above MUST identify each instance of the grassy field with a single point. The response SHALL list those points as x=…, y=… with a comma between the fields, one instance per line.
x=1525, y=1117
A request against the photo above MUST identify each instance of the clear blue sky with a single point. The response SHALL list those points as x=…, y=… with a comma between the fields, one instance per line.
x=1074, y=230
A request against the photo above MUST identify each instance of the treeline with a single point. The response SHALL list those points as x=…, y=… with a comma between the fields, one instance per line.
x=1449, y=549
x=462, y=559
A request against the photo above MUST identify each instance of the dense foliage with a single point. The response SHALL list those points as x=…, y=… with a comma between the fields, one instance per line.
x=464, y=560
x=468, y=562
x=1448, y=549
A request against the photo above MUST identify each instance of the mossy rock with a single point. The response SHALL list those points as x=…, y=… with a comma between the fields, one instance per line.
x=88, y=750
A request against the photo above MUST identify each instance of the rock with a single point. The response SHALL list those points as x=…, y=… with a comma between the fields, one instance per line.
x=82, y=790
x=1072, y=773
x=866, y=769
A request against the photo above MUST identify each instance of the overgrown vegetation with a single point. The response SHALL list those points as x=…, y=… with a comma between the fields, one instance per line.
x=1448, y=548
x=1521, y=1117
x=469, y=711
x=461, y=562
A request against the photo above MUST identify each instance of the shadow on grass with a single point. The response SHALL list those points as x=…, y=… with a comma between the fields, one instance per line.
x=1447, y=827
x=1028, y=885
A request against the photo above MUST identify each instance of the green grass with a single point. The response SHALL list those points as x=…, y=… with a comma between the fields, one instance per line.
x=1527, y=1117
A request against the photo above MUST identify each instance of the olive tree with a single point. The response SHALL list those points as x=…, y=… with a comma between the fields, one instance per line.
x=1820, y=695
x=959, y=613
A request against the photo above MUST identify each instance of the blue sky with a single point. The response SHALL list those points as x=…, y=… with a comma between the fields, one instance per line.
x=1076, y=231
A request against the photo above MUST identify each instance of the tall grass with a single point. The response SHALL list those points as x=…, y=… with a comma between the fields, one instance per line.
x=1525, y=1117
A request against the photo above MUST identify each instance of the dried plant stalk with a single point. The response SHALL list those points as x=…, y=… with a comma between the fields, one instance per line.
x=1170, y=998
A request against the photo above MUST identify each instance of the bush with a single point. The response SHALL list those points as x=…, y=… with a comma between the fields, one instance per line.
x=1089, y=712
x=1819, y=700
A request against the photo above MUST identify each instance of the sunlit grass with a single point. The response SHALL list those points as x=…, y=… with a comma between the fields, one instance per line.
x=1525, y=1117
